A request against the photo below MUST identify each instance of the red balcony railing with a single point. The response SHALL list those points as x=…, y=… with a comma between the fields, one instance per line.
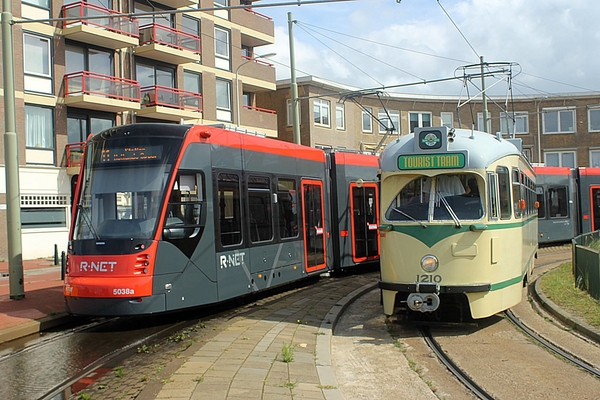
x=171, y=97
x=156, y=33
x=103, y=18
x=85, y=82
x=258, y=14
x=257, y=60
x=74, y=153
x=265, y=110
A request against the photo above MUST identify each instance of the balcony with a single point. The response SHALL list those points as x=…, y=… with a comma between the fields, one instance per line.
x=259, y=118
x=99, y=26
x=171, y=104
x=86, y=89
x=169, y=45
x=258, y=74
x=74, y=155
x=257, y=29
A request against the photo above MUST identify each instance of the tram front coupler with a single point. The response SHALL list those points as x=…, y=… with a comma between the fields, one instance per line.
x=425, y=300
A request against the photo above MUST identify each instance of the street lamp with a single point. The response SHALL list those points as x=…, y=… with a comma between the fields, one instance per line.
x=237, y=82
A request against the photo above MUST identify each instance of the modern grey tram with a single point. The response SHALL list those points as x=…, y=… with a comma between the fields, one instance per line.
x=569, y=201
x=168, y=217
x=458, y=223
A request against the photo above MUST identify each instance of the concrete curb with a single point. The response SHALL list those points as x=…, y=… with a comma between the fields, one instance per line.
x=323, y=347
x=578, y=325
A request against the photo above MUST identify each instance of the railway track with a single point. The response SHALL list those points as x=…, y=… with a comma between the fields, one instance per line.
x=552, y=347
x=454, y=369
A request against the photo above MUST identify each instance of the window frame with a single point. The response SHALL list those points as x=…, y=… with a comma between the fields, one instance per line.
x=35, y=75
x=558, y=110
x=324, y=112
x=340, y=116
x=222, y=60
x=447, y=113
x=560, y=154
x=419, y=121
x=589, y=115
x=591, y=158
x=224, y=113
x=367, y=113
x=394, y=118
x=506, y=122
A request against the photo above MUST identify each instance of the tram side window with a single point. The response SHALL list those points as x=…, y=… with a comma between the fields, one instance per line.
x=229, y=202
x=260, y=208
x=516, y=187
x=288, y=208
x=493, y=190
x=504, y=189
x=541, y=199
x=558, y=202
x=185, y=206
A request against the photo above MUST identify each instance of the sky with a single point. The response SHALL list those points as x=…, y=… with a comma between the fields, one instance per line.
x=546, y=46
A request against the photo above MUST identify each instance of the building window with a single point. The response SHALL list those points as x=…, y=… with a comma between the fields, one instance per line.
x=558, y=120
x=340, y=116
x=37, y=63
x=192, y=82
x=39, y=134
x=595, y=158
x=154, y=75
x=223, y=100
x=35, y=9
x=221, y=13
x=560, y=159
x=35, y=218
x=387, y=123
x=222, y=46
x=79, y=58
x=517, y=122
x=80, y=126
x=39, y=127
x=289, y=112
x=152, y=17
x=594, y=119
x=321, y=112
x=527, y=153
x=447, y=119
x=419, y=120
x=367, y=123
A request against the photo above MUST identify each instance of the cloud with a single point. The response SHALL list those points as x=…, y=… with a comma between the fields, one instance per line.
x=368, y=43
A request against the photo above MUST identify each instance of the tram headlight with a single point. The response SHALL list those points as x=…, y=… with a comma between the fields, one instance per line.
x=429, y=263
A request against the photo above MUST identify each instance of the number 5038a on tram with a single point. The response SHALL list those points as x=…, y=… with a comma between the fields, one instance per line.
x=458, y=223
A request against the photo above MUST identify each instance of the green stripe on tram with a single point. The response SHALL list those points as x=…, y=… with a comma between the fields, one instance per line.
x=433, y=234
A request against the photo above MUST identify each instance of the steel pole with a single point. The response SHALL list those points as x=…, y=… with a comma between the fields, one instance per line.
x=294, y=86
x=11, y=160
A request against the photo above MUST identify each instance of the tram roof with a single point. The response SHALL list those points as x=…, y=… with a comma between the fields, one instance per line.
x=480, y=149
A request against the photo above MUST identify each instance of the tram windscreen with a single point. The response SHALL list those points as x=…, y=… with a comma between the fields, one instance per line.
x=123, y=187
x=456, y=197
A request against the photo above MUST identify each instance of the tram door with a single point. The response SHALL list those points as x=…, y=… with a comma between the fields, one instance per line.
x=314, y=225
x=364, y=211
x=595, y=200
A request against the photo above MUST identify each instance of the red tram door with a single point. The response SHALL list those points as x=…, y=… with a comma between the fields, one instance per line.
x=595, y=205
x=365, y=218
x=314, y=225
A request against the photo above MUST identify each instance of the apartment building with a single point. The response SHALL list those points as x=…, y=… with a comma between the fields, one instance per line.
x=84, y=66
x=561, y=130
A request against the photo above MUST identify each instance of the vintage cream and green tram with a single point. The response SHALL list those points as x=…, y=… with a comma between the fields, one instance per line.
x=458, y=222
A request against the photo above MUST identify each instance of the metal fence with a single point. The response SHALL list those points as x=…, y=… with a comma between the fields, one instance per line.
x=586, y=263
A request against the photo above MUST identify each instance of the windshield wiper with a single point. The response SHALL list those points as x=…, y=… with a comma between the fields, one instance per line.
x=88, y=221
x=409, y=217
x=450, y=210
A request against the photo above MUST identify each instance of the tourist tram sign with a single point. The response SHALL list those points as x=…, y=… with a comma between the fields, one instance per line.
x=431, y=161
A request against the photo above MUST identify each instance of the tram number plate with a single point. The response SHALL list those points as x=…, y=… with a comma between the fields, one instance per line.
x=425, y=278
x=123, y=291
